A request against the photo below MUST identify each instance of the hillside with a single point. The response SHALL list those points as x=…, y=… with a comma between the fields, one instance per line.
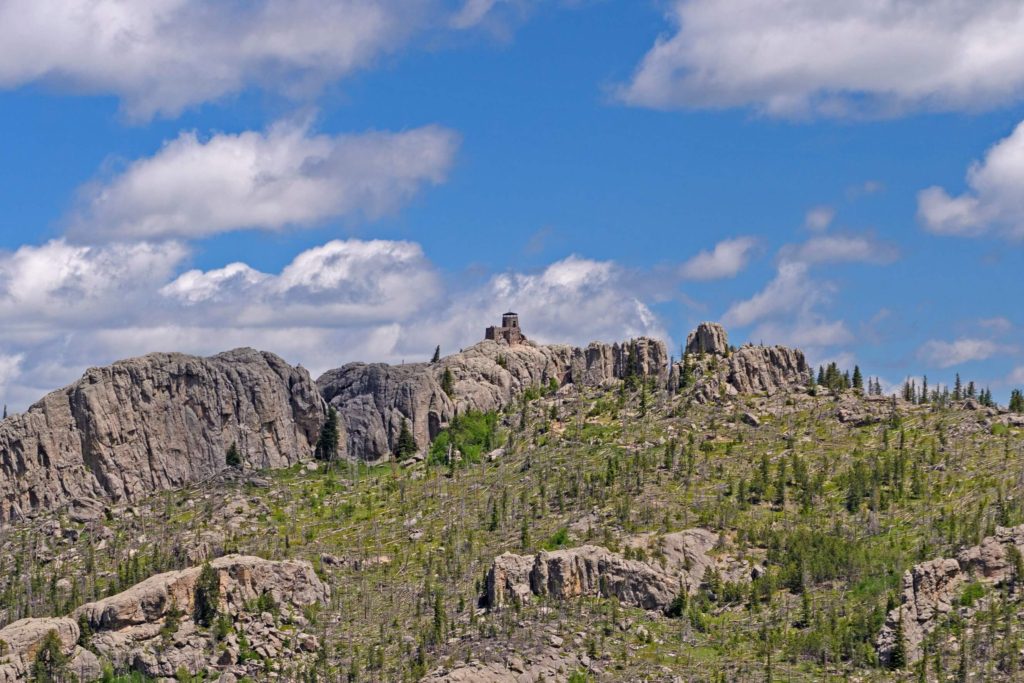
x=722, y=520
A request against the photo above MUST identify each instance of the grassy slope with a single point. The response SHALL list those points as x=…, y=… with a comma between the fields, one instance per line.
x=603, y=471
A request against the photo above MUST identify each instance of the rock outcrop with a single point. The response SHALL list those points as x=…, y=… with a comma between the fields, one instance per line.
x=930, y=589
x=684, y=559
x=373, y=400
x=22, y=641
x=153, y=423
x=747, y=370
x=149, y=627
x=709, y=338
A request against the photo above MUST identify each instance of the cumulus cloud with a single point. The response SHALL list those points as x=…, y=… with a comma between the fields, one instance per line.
x=807, y=58
x=273, y=180
x=994, y=201
x=726, y=260
x=1016, y=376
x=790, y=290
x=947, y=354
x=345, y=300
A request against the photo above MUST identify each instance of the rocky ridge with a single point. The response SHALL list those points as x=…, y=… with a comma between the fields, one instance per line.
x=153, y=423
x=149, y=628
x=373, y=400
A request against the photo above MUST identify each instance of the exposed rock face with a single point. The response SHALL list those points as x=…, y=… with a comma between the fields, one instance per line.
x=748, y=370
x=25, y=638
x=373, y=400
x=127, y=627
x=708, y=338
x=549, y=664
x=132, y=631
x=153, y=423
x=930, y=589
x=595, y=571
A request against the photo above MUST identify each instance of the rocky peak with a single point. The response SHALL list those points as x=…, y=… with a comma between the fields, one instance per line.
x=710, y=338
x=153, y=423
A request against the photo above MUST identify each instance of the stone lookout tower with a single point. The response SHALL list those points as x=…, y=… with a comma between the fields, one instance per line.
x=509, y=330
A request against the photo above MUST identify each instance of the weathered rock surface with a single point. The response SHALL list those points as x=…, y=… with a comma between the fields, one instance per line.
x=153, y=423
x=595, y=571
x=373, y=400
x=130, y=629
x=930, y=589
x=23, y=640
x=708, y=338
x=747, y=370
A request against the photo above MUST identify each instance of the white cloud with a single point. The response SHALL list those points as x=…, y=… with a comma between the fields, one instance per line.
x=274, y=180
x=1017, y=376
x=994, y=201
x=161, y=56
x=727, y=259
x=789, y=291
x=805, y=57
x=947, y=354
x=840, y=249
x=819, y=218
x=346, y=300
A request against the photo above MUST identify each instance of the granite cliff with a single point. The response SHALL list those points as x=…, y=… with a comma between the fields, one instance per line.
x=153, y=423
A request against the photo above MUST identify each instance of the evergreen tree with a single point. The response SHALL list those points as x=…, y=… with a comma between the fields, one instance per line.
x=437, y=354
x=51, y=663
x=898, y=657
x=958, y=388
x=207, y=595
x=924, y=389
x=1017, y=401
x=448, y=383
x=233, y=458
x=406, y=443
x=327, y=444
x=686, y=377
x=858, y=379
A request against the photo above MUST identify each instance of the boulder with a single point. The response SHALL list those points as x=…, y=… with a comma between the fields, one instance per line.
x=929, y=590
x=153, y=423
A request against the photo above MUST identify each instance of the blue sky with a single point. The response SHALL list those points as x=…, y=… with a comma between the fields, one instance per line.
x=364, y=179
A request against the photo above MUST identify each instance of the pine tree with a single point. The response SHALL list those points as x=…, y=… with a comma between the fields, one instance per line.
x=406, y=443
x=51, y=663
x=958, y=388
x=448, y=383
x=1017, y=401
x=858, y=379
x=233, y=458
x=207, y=595
x=686, y=377
x=898, y=657
x=437, y=354
x=327, y=444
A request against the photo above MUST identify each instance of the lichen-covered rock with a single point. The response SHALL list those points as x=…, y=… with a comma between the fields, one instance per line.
x=373, y=400
x=684, y=560
x=152, y=423
x=708, y=338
